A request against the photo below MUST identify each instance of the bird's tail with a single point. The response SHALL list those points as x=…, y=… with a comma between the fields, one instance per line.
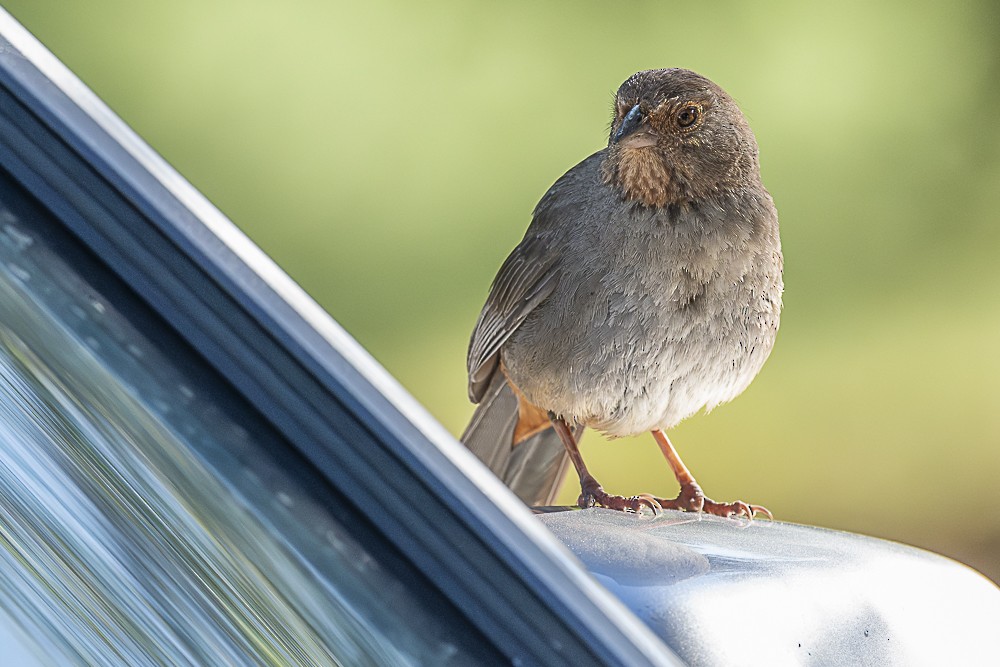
x=533, y=468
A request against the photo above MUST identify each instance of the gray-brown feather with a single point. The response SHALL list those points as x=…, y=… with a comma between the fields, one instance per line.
x=525, y=279
x=677, y=312
x=534, y=468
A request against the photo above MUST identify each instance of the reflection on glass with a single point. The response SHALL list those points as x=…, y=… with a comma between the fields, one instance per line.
x=143, y=523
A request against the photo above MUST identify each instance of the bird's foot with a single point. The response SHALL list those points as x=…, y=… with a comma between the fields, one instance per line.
x=593, y=494
x=692, y=499
x=735, y=509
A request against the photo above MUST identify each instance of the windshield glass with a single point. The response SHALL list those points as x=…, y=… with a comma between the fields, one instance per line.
x=144, y=516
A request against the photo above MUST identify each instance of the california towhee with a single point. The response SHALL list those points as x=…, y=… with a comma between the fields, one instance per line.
x=647, y=287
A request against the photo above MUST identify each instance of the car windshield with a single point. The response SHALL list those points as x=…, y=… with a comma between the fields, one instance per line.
x=144, y=517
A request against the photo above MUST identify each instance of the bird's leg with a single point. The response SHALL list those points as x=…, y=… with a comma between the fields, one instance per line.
x=591, y=493
x=691, y=498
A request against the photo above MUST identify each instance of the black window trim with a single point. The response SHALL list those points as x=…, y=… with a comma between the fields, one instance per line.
x=424, y=492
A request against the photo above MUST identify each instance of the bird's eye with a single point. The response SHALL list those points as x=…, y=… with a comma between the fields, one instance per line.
x=688, y=116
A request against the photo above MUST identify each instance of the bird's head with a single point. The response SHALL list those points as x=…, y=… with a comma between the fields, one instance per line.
x=677, y=137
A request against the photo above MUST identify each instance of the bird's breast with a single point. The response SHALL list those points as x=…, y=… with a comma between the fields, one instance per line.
x=652, y=320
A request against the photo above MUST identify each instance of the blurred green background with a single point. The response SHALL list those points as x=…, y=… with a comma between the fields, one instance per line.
x=388, y=156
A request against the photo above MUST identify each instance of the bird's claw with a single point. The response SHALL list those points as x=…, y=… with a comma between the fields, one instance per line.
x=595, y=495
x=692, y=499
x=736, y=509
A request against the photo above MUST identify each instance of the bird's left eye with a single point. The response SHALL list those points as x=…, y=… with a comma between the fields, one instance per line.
x=688, y=116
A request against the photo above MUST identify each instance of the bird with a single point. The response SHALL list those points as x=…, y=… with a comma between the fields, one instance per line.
x=647, y=287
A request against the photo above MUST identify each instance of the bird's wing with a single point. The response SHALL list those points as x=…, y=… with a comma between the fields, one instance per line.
x=526, y=278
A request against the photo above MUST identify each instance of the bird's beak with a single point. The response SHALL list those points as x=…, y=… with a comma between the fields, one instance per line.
x=629, y=124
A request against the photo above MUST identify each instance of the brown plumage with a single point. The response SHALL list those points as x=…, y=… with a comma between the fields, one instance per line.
x=647, y=287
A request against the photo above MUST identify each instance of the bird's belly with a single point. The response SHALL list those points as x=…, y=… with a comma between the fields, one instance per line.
x=624, y=371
